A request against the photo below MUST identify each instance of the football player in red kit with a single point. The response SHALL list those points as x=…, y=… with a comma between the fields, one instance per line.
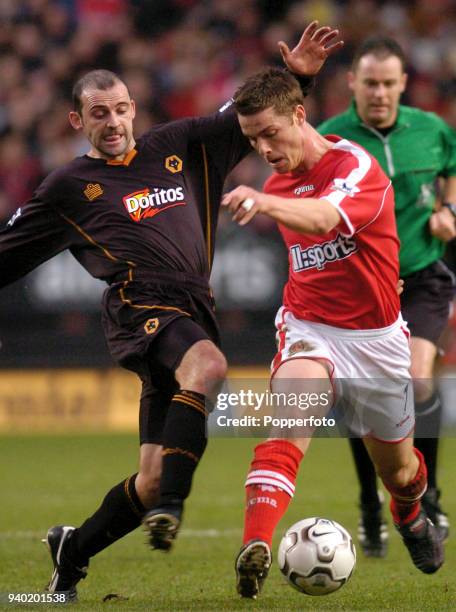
x=340, y=326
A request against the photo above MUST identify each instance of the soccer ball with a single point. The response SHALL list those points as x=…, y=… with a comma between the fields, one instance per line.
x=317, y=556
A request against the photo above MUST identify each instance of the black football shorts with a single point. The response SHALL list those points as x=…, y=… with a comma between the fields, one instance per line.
x=149, y=328
x=426, y=301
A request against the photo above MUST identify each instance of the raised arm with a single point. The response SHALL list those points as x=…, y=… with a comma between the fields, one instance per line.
x=312, y=51
x=220, y=131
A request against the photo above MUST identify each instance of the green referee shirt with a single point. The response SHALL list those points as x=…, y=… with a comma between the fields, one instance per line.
x=419, y=148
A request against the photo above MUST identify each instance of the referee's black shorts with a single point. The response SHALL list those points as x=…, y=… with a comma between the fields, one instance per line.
x=149, y=326
x=426, y=300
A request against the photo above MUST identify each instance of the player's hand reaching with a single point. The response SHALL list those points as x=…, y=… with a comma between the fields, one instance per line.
x=312, y=50
x=244, y=202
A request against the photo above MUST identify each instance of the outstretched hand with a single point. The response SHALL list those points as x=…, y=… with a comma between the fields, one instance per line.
x=311, y=52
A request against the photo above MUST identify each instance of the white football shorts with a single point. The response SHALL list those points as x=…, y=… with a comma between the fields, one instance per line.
x=369, y=371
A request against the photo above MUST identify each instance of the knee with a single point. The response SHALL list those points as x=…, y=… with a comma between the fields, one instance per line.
x=211, y=374
x=214, y=369
x=423, y=382
x=423, y=389
x=202, y=370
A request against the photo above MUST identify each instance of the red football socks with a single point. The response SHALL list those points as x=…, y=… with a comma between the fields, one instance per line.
x=405, y=501
x=270, y=486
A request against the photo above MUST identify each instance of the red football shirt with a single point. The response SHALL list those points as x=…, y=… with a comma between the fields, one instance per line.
x=347, y=277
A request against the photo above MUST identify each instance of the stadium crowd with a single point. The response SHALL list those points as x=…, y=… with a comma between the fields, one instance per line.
x=186, y=57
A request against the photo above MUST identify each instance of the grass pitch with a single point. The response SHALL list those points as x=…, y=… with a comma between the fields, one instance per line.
x=47, y=480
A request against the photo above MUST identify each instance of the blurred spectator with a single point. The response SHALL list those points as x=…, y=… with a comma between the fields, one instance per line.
x=19, y=173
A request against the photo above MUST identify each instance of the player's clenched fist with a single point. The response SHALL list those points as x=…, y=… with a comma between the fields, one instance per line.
x=244, y=202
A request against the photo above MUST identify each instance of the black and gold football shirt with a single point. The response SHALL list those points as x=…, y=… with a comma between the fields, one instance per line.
x=156, y=210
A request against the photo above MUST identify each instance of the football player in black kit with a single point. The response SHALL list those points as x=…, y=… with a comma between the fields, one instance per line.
x=141, y=215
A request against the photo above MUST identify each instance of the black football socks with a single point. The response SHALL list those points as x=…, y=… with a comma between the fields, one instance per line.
x=366, y=475
x=428, y=415
x=120, y=512
x=184, y=442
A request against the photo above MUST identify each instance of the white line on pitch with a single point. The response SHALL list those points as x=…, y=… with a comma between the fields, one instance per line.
x=185, y=533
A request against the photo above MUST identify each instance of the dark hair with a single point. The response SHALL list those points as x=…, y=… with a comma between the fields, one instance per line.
x=380, y=46
x=271, y=87
x=95, y=79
